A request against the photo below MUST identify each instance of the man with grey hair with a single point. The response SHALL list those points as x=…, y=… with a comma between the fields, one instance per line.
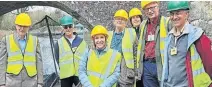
x=187, y=53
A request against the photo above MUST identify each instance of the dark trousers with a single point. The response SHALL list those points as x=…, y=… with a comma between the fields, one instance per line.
x=139, y=83
x=67, y=82
x=150, y=78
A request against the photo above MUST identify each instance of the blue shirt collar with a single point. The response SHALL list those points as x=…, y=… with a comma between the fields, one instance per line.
x=119, y=33
x=103, y=51
x=20, y=38
x=185, y=30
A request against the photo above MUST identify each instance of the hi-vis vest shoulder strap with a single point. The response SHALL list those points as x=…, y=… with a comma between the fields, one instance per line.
x=16, y=59
x=100, y=68
x=163, y=35
x=200, y=77
x=127, y=45
x=69, y=62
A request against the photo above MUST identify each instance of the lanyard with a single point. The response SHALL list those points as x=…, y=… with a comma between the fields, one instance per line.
x=178, y=36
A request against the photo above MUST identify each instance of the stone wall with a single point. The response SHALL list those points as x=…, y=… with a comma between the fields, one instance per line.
x=102, y=12
x=201, y=15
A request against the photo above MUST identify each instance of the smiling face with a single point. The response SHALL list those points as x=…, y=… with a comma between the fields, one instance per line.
x=136, y=21
x=100, y=41
x=179, y=18
x=68, y=29
x=152, y=10
x=120, y=22
x=22, y=30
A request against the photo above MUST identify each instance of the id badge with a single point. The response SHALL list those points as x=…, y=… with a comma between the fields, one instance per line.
x=151, y=37
x=173, y=51
x=74, y=49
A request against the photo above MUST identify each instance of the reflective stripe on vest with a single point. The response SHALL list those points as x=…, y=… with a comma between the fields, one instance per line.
x=200, y=77
x=68, y=64
x=163, y=35
x=98, y=69
x=15, y=58
x=127, y=45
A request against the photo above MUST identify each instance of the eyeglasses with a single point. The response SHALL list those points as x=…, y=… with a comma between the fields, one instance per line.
x=150, y=8
x=120, y=19
x=176, y=13
x=68, y=26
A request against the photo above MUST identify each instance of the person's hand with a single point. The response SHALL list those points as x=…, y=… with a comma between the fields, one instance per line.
x=2, y=86
x=79, y=85
x=130, y=74
x=39, y=85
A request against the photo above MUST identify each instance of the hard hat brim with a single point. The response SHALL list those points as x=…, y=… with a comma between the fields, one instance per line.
x=183, y=8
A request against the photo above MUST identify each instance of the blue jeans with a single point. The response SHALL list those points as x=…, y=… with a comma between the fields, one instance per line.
x=150, y=78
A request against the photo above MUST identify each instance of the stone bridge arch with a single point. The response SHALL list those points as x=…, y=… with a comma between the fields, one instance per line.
x=10, y=6
x=88, y=13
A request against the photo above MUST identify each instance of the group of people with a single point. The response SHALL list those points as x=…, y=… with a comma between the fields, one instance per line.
x=157, y=52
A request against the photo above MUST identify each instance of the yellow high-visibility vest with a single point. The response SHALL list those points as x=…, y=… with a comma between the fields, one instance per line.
x=127, y=45
x=100, y=68
x=163, y=35
x=200, y=77
x=16, y=59
x=69, y=62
